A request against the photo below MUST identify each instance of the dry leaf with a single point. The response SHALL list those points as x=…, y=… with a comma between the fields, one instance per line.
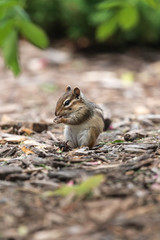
x=27, y=150
x=25, y=130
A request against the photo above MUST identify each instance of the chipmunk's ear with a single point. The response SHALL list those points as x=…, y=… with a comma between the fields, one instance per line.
x=68, y=88
x=77, y=92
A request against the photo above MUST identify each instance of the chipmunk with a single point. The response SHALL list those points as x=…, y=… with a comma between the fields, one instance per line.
x=83, y=119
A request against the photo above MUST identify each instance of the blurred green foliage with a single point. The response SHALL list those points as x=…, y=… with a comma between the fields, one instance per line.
x=80, y=190
x=14, y=21
x=109, y=21
x=130, y=20
x=116, y=21
x=63, y=18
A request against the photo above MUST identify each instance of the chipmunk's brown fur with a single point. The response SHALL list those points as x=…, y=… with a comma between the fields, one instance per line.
x=84, y=119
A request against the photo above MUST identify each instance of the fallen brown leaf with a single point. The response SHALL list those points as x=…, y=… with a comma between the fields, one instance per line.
x=25, y=130
x=27, y=150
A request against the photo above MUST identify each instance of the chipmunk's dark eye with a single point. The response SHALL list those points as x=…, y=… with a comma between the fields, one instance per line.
x=67, y=102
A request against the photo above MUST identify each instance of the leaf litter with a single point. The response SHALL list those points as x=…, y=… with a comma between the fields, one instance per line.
x=50, y=191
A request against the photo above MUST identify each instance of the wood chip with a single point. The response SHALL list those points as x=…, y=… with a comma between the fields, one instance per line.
x=15, y=139
x=33, y=170
x=6, y=170
x=135, y=134
x=152, y=117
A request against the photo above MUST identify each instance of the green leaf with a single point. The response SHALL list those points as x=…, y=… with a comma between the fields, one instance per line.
x=100, y=17
x=117, y=141
x=151, y=3
x=88, y=185
x=128, y=17
x=79, y=190
x=5, y=28
x=33, y=33
x=10, y=51
x=21, y=14
x=22, y=230
x=9, y=3
x=48, y=87
x=111, y=4
x=127, y=78
x=106, y=29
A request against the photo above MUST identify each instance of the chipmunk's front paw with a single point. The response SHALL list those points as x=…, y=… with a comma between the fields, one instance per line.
x=57, y=120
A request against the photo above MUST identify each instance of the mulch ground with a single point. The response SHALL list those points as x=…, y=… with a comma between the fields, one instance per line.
x=50, y=191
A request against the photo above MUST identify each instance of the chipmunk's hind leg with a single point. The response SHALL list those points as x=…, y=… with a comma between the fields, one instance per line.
x=89, y=138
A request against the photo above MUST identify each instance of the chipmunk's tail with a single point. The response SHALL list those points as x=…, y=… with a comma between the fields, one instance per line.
x=107, y=123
